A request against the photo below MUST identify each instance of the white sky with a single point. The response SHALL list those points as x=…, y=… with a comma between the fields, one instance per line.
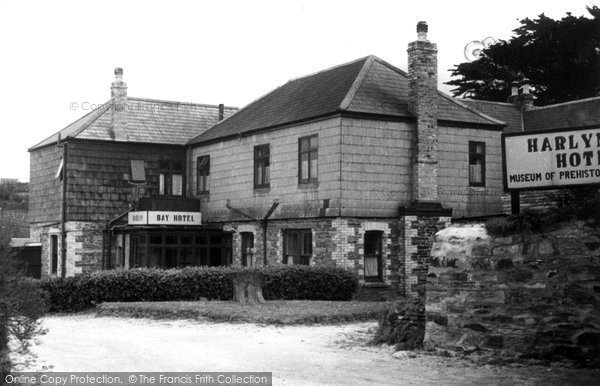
x=54, y=53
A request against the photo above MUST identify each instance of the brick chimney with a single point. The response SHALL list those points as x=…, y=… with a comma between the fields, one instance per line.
x=118, y=94
x=525, y=99
x=514, y=92
x=422, y=102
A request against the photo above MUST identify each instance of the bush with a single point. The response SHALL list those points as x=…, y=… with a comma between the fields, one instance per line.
x=571, y=204
x=193, y=283
x=21, y=306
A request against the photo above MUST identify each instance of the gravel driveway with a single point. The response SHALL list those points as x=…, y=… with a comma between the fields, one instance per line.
x=297, y=355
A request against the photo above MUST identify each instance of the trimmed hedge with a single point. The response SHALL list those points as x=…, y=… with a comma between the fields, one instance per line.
x=140, y=285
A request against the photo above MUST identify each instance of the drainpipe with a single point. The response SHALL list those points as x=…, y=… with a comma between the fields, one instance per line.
x=106, y=252
x=63, y=218
x=264, y=224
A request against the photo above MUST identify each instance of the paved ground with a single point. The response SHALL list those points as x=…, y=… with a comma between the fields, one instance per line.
x=297, y=355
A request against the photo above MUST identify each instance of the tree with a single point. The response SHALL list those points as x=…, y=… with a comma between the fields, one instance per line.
x=21, y=305
x=561, y=58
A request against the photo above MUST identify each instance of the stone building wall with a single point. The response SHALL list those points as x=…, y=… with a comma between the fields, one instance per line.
x=45, y=195
x=336, y=242
x=529, y=295
x=84, y=242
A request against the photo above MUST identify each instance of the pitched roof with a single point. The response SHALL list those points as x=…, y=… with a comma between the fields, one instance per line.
x=576, y=114
x=367, y=85
x=148, y=121
x=507, y=112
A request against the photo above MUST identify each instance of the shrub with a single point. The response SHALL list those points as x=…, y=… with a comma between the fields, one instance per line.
x=20, y=308
x=193, y=283
x=571, y=204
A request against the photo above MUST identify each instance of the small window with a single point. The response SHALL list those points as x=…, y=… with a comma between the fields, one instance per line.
x=53, y=254
x=170, y=179
x=372, y=252
x=308, y=155
x=261, y=166
x=203, y=174
x=476, y=163
x=247, y=248
x=297, y=246
x=138, y=171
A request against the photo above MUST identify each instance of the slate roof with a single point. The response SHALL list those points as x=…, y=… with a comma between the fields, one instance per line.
x=576, y=114
x=148, y=121
x=367, y=85
x=507, y=112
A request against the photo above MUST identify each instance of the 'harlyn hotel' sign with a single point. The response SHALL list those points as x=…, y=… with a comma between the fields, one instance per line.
x=163, y=218
x=551, y=159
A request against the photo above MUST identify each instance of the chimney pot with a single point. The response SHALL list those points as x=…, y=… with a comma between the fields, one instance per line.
x=422, y=30
x=221, y=111
x=525, y=86
x=514, y=88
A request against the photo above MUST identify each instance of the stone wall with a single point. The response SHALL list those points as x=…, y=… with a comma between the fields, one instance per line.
x=335, y=242
x=526, y=295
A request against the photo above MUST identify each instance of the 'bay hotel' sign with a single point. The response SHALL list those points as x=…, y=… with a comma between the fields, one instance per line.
x=551, y=159
x=150, y=217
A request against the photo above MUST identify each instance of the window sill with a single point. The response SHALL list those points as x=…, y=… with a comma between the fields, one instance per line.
x=262, y=190
x=308, y=185
x=375, y=284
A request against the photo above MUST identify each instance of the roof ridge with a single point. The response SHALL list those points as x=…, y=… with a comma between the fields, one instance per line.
x=177, y=102
x=328, y=69
x=475, y=111
x=357, y=83
x=391, y=66
x=566, y=103
x=64, y=128
x=238, y=111
x=481, y=100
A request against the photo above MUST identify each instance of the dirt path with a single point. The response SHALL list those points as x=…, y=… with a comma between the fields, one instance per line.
x=297, y=355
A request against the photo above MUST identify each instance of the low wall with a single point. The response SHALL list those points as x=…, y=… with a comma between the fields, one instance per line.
x=524, y=295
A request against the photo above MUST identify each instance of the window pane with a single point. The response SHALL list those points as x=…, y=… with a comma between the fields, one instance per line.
x=161, y=184
x=156, y=239
x=304, y=167
x=202, y=162
x=304, y=144
x=476, y=172
x=372, y=243
x=314, y=142
x=371, y=266
x=187, y=257
x=313, y=168
x=259, y=173
x=170, y=257
x=177, y=184
x=267, y=177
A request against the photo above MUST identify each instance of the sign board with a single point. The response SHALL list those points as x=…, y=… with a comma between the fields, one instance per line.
x=551, y=159
x=164, y=218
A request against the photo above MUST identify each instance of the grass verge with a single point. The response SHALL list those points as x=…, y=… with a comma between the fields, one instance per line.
x=282, y=312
